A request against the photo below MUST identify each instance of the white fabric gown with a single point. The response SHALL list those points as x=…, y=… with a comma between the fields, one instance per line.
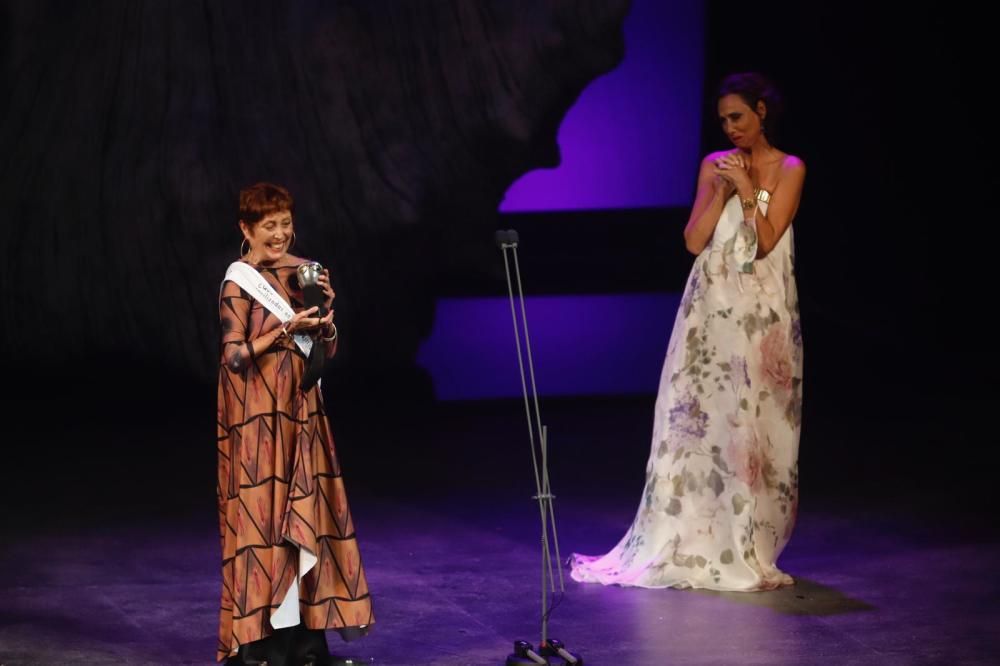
x=721, y=482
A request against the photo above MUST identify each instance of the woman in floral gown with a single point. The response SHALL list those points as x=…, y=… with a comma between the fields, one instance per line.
x=721, y=488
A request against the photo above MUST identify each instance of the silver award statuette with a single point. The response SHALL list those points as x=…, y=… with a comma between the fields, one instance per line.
x=312, y=295
x=309, y=273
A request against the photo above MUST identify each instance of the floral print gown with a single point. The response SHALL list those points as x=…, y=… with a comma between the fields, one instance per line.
x=722, y=481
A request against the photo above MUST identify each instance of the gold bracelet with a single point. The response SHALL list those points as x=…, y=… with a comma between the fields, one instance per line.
x=332, y=337
x=748, y=203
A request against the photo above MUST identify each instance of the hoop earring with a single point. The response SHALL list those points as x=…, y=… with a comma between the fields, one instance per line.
x=292, y=244
x=242, y=253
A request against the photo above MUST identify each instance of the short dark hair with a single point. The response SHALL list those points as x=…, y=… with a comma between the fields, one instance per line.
x=262, y=199
x=754, y=87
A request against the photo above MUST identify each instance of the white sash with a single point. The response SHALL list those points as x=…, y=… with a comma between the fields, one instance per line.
x=254, y=283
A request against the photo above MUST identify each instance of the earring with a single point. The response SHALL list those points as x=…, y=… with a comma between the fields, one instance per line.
x=242, y=251
x=292, y=244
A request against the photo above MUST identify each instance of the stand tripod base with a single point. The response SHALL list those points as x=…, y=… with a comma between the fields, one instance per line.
x=557, y=654
x=556, y=660
x=552, y=653
x=525, y=655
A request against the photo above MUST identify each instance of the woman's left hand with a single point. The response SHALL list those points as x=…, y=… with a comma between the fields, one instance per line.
x=324, y=283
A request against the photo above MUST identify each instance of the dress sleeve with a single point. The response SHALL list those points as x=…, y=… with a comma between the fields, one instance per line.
x=234, y=316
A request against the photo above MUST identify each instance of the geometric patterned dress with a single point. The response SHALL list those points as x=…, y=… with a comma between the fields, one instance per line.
x=279, y=484
x=721, y=491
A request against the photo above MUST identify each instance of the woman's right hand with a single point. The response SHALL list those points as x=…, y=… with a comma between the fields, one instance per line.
x=303, y=321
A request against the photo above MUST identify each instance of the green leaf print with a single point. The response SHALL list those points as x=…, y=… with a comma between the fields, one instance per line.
x=678, y=482
x=715, y=483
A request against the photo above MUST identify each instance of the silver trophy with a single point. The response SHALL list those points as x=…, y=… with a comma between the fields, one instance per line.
x=312, y=293
x=313, y=296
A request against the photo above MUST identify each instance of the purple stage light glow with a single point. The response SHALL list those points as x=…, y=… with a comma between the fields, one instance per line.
x=632, y=138
x=582, y=345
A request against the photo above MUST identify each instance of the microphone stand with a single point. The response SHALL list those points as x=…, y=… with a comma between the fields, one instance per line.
x=551, y=651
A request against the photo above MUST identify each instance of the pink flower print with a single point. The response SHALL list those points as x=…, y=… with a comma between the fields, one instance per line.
x=776, y=361
x=749, y=460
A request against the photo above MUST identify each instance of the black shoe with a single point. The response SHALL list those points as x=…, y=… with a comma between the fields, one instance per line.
x=250, y=654
x=309, y=647
x=353, y=633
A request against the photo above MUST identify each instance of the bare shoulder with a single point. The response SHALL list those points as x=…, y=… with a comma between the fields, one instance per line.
x=792, y=164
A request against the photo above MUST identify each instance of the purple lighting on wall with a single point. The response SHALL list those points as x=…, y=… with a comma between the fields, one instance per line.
x=632, y=138
x=630, y=141
x=582, y=345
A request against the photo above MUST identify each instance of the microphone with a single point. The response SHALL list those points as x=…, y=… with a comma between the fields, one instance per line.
x=506, y=237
